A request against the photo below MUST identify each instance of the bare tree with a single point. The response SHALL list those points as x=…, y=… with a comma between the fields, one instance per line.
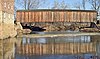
x=83, y=4
x=55, y=5
x=31, y=4
x=80, y=5
x=60, y=5
x=77, y=5
x=63, y=5
x=95, y=4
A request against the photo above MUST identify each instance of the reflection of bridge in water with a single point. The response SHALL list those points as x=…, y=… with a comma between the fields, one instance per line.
x=55, y=46
x=76, y=45
x=60, y=48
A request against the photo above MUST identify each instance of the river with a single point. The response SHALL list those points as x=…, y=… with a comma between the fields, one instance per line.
x=73, y=47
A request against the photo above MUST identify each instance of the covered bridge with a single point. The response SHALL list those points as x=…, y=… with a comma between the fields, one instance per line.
x=56, y=15
x=29, y=17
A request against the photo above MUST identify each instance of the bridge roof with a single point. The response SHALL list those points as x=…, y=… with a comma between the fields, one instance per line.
x=57, y=10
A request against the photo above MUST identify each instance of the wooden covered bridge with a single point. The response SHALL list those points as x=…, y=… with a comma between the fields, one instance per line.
x=56, y=17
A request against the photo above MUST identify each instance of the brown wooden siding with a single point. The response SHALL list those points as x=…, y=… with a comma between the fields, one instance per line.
x=55, y=16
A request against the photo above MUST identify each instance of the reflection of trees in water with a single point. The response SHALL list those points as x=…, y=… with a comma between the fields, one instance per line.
x=33, y=40
x=95, y=38
x=72, y=39
x=76, y=39
x=98, y=48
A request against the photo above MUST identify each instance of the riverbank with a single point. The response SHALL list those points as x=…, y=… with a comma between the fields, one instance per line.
x=57, y=35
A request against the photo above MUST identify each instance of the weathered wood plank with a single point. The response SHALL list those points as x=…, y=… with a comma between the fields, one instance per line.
x=56, y=16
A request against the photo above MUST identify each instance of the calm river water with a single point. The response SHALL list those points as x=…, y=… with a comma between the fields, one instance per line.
x=8, y=47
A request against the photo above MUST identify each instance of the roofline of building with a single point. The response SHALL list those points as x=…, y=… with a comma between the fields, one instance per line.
x=57, y=10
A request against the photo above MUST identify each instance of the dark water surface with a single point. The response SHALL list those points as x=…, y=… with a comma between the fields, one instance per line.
x=84, y=56
x=8, y=47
